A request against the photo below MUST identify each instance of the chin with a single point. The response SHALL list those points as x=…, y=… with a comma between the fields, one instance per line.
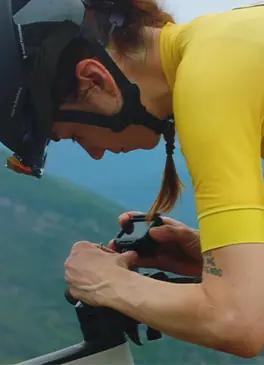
x=96, y=157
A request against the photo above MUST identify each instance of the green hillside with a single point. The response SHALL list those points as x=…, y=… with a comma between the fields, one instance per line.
x=39, y=221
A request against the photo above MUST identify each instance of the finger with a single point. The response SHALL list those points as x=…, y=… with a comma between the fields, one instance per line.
x=69, y=297
x=80, y=245
x=129, y=259
x=133, y=261
x=167, y=233
x=171, y=221
x=147, y=263
x=106, y=249
x=75, y=293
x=123, y=218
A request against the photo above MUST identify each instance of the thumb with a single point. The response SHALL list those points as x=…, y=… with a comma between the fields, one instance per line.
x=129, y=259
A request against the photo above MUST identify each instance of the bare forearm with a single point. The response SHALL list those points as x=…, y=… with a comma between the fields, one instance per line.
x=224, y=312
x=181, y=311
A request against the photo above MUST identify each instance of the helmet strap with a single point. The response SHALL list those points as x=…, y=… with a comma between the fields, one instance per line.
x=132, y=112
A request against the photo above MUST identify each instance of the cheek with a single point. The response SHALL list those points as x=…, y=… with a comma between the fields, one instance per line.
x=67, y=129
x=85, y=144
x=100, y=138
x=109, y=139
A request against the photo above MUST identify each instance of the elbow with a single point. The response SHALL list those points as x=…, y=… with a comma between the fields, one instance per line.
x=241, y=337
x=245, y=347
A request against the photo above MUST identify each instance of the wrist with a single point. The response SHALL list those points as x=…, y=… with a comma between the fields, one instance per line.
x=113, y=288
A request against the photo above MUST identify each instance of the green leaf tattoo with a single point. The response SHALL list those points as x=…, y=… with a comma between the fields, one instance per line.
x=210, y=266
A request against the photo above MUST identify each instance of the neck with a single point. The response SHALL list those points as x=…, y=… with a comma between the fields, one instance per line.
x=161, y=93
x=145, y=69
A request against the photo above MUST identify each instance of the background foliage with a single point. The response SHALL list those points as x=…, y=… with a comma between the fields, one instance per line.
x=39, y=221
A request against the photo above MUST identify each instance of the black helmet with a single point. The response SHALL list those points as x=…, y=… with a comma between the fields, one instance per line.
x=29, y=96
x=26, y=75
x=12, y=80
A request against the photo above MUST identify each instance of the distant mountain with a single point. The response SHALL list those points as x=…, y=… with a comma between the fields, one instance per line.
x=39, y=221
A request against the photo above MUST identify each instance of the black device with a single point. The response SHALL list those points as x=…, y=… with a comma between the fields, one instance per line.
x=135, y=235
x=103, y=328
x=96, y=322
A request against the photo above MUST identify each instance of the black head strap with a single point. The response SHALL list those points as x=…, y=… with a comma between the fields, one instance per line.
x=132, y=112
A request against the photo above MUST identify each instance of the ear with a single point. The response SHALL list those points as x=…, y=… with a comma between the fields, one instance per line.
x=93, y=76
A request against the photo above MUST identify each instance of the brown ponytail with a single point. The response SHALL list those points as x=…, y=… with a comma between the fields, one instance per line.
x=142, y=13
x=171, y=184
x=147, y=13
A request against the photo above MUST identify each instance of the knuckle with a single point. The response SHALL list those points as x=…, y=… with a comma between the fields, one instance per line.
x=67, y=264
x=170, y=229
x=182, y=229
x=123, y=218
x=73, y=293
x=66, y=278
x=127, y=215
x=76, y=244
x=79, y=245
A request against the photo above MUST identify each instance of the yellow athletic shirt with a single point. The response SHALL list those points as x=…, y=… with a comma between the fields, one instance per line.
x=215, y=69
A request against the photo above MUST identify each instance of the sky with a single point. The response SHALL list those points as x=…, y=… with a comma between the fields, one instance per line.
x=185, y=10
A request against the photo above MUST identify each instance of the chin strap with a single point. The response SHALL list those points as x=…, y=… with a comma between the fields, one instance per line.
x=132, y=112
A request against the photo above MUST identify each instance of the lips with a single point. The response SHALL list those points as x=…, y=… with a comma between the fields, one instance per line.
x=117, y=151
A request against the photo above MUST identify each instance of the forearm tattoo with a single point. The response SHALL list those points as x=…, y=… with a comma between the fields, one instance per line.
x=210, y=266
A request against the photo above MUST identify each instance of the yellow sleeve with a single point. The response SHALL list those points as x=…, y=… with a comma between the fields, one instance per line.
x=218, y=106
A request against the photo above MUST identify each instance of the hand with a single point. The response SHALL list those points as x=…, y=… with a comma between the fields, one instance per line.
x=178, y=250
x=90, y=269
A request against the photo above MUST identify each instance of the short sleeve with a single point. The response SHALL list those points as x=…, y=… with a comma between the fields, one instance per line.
x=218, y=106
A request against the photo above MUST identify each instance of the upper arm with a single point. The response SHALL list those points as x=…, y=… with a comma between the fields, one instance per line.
x=219, y=118
x=235, y=293
x=218, y=102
